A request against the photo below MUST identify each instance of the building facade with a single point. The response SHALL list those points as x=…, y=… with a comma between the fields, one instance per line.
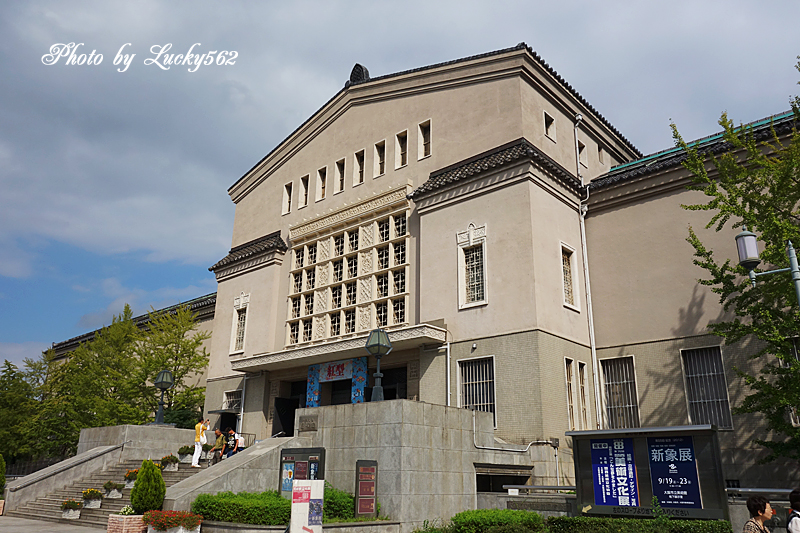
x=460, y=207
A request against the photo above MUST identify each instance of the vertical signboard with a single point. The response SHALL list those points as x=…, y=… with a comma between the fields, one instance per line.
x=366, y=488
x=307, y=498
x=614, y=472
x=673, y=471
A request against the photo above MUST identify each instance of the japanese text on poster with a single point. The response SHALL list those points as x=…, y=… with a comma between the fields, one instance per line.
x=673, y=471
x=614, y=473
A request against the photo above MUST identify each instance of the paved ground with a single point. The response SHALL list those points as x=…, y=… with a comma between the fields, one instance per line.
x=10, y=524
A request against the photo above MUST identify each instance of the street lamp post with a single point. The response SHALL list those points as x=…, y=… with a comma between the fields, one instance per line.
x=378, y=344
x=163, y=381
x=747, y=247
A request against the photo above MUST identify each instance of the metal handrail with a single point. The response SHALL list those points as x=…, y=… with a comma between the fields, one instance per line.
x=541, y=487
x=758, y=491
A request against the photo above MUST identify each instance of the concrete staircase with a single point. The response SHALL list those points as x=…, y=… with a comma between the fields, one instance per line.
x=49, y=507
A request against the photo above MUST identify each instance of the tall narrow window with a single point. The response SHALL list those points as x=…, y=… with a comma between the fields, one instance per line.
x=358, y=170
x=570, y=405
x=241, y=318
x=399, y=281
x=383, y=230
x=399, y=253
x=298, y=282
x=299, y=254
x=383, y=285
x=401, y=150
x=294, y=332
x=382, y=314
x=471, y=266
x=340, y=175
x=350, y=321
x=338, y=269
x=309, y=298
x=706, y=387
x=304, y=191
x=380, y=158
x=549, y=126
x=322, y=183
x=306, y=330
x=473, y=261
x=399, y=310
x=477, y=385
x=287, y=198
x=582, y=153
x=383, y=257
x=338, y=244
x=353, y=240
x=336, y=324
x=310, y=279
x=352, y=266
x=582, y=410
x=622, y=403
x=296, y=307
x=424, y=139
x=336, y=297
x=351, y=293
x=399, y=225
x=566, y=276
x=601, y=154
x=312, y=254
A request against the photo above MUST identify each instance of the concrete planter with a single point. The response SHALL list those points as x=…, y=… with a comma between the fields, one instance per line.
x=172, y=467
x=92, y=504
x=175, y=530
x=185, y=457
x=71, y=514
x=114, y=494
x=2, y=505
x=129, y=484
x=118, y=523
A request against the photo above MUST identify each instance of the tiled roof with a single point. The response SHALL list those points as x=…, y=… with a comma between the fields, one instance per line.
x=497, y=157
x=203, y=306
x=711, y=145
x=266, y=243
x=520, y=46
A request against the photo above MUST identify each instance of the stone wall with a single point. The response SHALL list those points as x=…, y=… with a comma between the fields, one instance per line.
x=141, y=442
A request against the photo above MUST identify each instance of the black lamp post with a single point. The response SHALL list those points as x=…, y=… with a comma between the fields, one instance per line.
x=163, y=381
x=378, y=344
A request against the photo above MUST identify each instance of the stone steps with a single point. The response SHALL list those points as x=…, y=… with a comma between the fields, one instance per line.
x=48, y=508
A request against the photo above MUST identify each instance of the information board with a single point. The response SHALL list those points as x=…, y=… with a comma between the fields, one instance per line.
x=673, y=472
x=299, y=464
x=366, y=484
x=614, y=472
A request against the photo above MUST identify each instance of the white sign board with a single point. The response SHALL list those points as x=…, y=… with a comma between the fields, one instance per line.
x=307, y=495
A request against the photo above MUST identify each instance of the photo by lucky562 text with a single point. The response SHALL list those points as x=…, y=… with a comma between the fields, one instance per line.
x=73, y=55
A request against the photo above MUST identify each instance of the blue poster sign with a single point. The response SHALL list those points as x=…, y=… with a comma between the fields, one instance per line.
x=614, y=473
x=673, y=472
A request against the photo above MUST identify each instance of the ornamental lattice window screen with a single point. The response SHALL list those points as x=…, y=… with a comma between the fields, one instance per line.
x=622, y=404
x=473, y=261
x=706, y=387
x=477, y=385
x=570, y=404
x=566, y=267
x=241, y=318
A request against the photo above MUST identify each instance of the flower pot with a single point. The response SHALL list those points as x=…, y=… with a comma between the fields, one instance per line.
x=185, y=457
x=130, y=484
x=71, y=514
x=175, y=530
x=92, y=504
x=172, y=467
x=126, y=524
x=114, y=494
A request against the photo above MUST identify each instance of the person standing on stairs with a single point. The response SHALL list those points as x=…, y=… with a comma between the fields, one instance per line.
x=199, y=439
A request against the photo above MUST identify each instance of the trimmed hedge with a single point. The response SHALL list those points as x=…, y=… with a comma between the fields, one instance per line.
x=587, y=524
x=481, y=520
x=337, y=504
x=266, y=508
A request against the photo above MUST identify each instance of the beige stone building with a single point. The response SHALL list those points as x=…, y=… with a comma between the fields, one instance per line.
x=444, y=204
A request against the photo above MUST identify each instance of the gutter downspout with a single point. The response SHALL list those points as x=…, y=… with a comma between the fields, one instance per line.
x=240, y=421
x=448, y=374
x=598, y=405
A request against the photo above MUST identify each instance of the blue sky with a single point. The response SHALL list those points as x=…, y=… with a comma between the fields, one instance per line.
x=113, y=184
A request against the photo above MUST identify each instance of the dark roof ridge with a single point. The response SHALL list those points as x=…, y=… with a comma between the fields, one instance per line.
x=710, y=144
x=493, y=158
x=519, y=46
x=271, y=241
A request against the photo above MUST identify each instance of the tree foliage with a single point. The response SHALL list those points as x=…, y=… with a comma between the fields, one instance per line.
x=104, y=382
x=756, y=183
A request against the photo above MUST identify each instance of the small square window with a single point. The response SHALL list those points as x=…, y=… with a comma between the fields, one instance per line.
x=401, y=150
x=380, y=158
x=424, y=139
x=549, y=126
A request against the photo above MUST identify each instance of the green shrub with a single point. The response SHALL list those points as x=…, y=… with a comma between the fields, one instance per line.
x=266, y=508
x=186, y=450
x=586, y=524
x=149, y=490
x=110, y=485
x=169, y=459
x=337, y=504
x=481, y=520
x=435, y=526
x=509, y=528
x=2, y=475
x=207, y=447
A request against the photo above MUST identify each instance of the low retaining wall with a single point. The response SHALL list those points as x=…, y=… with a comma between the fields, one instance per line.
x=56, y=477
x=143, y=442
x=543, y=504
x=350, y=527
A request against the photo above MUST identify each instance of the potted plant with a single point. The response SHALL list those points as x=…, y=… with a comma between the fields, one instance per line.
x=169, y=463
x=206, y=449
x=113, y=490
x=185, y=454
x=92, y=498
x=172, y=521
x=148, y=494
x=127, y=521
x=70, y=509
x=130, y=478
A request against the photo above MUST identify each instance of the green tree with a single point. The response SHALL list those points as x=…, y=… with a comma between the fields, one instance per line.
x=17, y=405
x=756, y=184
x=149, y=490
x=172, y=342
